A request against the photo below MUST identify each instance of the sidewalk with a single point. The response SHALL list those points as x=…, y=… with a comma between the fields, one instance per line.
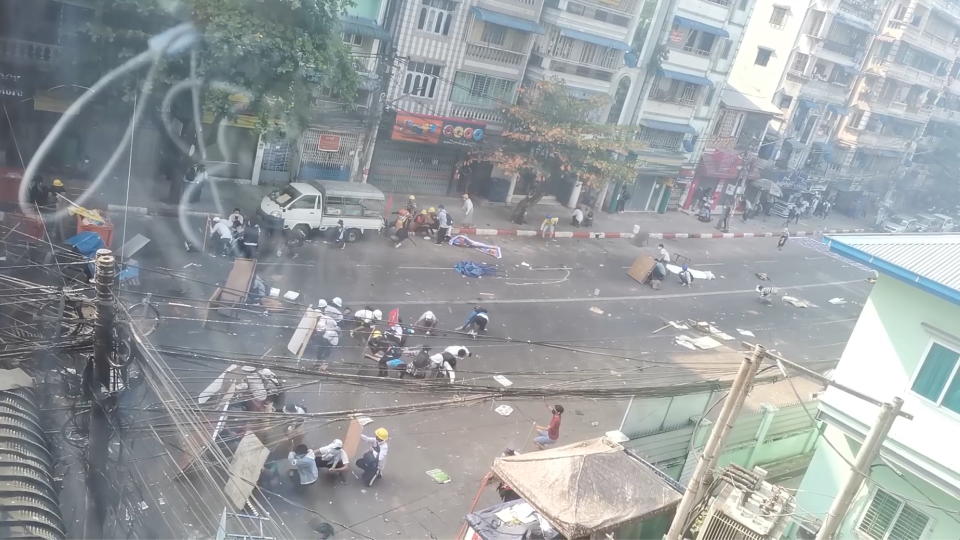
x=493, y=219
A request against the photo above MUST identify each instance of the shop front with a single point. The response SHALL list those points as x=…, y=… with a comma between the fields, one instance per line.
x=422, y=153
x=716, y=179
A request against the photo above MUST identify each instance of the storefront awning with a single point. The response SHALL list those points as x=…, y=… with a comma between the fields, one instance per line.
x=702, y=27
x=509, y=21
x=686, y=77
x=668, y=126
x=364, y=27
x=595, y=39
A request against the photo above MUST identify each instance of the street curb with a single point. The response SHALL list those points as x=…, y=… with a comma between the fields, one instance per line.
x=478, y=231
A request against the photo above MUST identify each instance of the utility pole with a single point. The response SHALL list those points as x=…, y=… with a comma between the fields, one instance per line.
x=705, y=463
x=861, y=469
x=99, y=392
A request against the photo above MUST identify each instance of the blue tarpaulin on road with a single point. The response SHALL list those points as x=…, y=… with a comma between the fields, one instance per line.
x=475, y=269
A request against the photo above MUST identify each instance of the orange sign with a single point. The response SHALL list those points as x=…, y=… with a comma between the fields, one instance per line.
x=436, y=129
x=328, y=143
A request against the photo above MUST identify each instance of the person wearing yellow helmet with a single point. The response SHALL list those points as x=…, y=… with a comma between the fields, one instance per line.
x=375, y=457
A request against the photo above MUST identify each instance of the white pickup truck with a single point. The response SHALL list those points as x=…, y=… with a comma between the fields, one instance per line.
x=317, y=205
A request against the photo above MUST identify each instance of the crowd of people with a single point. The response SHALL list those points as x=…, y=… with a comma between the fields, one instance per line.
x=235, y=236
x=432, y=222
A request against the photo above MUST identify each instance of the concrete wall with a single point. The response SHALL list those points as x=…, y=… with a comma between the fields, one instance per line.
x=763, y=81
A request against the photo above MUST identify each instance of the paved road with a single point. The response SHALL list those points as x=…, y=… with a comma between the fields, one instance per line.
x=544, y=292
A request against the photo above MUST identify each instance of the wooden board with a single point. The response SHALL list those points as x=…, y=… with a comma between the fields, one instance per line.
x=641, y=268
x=351, y=441
x=206, y=312
x=245, y=470
x=301, y=336
x=238, y=281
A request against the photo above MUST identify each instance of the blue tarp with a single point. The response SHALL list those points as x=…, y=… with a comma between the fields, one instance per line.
x=697, y=25
x=668, y=126
x=474, y=269
x=694, y=79
x=595, y=39
x=509, y=21
x=87, y=243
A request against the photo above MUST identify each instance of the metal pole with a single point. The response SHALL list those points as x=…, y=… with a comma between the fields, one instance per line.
x=705, y=463
x=100, y=387
x=861, y=469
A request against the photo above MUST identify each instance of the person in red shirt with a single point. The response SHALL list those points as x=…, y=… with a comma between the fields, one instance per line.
x=547, y=435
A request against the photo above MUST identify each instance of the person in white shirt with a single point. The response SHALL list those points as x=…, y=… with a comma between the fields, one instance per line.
x=332, y=457
x=329, y=336
x=444, y=362
x=577, y=219
x=426, y=323
x=467, y=210
x=305, y=463
x=663, y=255
x=373, y=460
x=333, y=310
x=222, y=234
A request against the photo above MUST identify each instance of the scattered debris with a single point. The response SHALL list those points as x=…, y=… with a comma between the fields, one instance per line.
x=476, y=270
x=364, y=420
x=684, y=341
x=594, y=424
x=504, y=410
x=487, y=294
x=745, y=333
x=797, y=302
x=837, y=301
x=595, y=309
x=274, y=292
x=439, y=476
x=678, y=326
x=525, y=263
x=192, y=264
x=291, y=295
x=724, y=336
x=143, y=505
x=762, y=276
x=661, y=328
x=596, y=292
x=503, y=380
x=463, y=241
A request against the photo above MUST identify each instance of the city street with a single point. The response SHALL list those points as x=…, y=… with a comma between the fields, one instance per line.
x=564, y=315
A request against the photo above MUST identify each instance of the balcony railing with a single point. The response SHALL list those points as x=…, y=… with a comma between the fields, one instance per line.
x=906, y=73
x=858, y=9
x=847, y=50
x=584, y=70
x=28, y=52
x=495, y=55
x=683, y=101
x=689, y=49
x=723, y=3
x=492, y=116
x=930, y=42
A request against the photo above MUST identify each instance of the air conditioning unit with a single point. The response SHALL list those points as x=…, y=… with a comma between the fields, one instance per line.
x=746, y=507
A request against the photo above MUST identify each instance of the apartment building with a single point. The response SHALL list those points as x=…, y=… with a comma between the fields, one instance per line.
x=861, y=85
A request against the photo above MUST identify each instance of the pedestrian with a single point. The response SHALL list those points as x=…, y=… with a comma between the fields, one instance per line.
x=548, y=228
x=795, y=214
x=663, y=255
x=791, y=214
x=783, y=238
x=547, y=435
x=251, y=239
x=334, y=309
x=339, y=235
x=686, y=276
x=444, y=221
x=477, y=321
x=725, y=221
x=747, y=209
x=427, y=323
x=622, y=199
x=329, y=334
x=304, y=464
x=222, y=235
x=235, y=219
x=467, y=210
x=332, y=458
x=411, y=205
x=826, y=208
x=403, y=225
x=373, y=460
x=577, y=219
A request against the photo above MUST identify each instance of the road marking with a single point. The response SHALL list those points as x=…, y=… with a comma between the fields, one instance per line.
x=565, y=277
x=765, y=261
x=596, y=299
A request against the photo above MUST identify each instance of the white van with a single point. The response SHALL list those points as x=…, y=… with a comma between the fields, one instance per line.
x=317, y=205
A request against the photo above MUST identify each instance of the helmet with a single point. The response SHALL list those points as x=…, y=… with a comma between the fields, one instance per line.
x=57, y=182
x=216, y=220
x=337, y=301
x=466, y=196
x=424, y=212
x=377, y=314
x=432, y=210
x=412, y=198
x=337, y=443
x=321, y=303
x=382, y=434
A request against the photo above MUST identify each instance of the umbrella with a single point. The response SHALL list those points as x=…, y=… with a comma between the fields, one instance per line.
x=765, y=184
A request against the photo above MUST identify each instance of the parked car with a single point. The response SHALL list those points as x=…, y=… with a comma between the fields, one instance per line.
x=900, y=224
x=317, y=205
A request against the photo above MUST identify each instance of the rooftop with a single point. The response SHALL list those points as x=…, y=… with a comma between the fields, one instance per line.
x=928, y=261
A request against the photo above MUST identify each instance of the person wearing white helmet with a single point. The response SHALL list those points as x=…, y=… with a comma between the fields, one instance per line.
x=332, y=310
x=378, y=315
x=332, y=458
x=222, y=235
x=426, y=323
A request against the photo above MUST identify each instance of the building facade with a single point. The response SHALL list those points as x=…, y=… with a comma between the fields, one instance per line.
x=906, y=344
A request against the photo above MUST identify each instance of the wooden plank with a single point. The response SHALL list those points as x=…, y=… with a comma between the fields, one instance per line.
x=351, y=441
x=239, y=280
x=214, y=298
x=641, y=268
x=305, y=329
x=245, y=470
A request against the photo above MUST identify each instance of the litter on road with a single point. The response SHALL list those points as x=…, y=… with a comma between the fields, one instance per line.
x=684, y=341
x=745, y=332
x=504, y=410
x=837, y=301
x=595, y=309
x=797, y=302
x=474, y=269
x=464, y=241
x=439, y=476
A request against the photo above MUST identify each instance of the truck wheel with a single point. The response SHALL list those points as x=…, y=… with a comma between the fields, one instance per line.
x=352, y=235
x=303, y=230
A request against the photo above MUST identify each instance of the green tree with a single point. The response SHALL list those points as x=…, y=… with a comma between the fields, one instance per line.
x=273, y=53
x=551, y=134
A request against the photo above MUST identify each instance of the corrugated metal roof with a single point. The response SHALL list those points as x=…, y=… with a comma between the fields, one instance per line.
x=934, y=256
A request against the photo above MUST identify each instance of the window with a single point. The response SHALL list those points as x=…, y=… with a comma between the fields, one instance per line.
x=421, y=79
x=763, y=56
x=742, y=6
x=856, y=119
x=674, y=91
x=785, y=101
x=307, y=202
x=481, y=90
x=937, y=379
x=901, y=13
x=351, y=39
x=889, y=518
x=779, y=16
x=725, y=51
x=799, y=62
x=707, y=101
x=493, y=33
x=816, y=23
x=436, y=16
x=576, y=9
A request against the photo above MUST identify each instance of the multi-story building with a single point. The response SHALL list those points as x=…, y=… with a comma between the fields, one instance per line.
x=906, y=344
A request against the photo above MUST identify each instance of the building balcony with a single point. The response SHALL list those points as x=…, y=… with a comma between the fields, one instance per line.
x=907, y=74
x=896, y=109
x=526, y=9
x=562, y=66
x=936, y=45
x=825, y=91
x=954, y=86
x=713, y=11
x=688, y=58
x=950, y=7
x=495, y=55
x=492, y=116
x=30, y=53
x=864, y=11
x=671, y=106
x=946, y=116
x=848, y=50
x=871, y=139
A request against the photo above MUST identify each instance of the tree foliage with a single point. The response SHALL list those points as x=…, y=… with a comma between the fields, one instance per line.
x=269, y=51
x=550, y=132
